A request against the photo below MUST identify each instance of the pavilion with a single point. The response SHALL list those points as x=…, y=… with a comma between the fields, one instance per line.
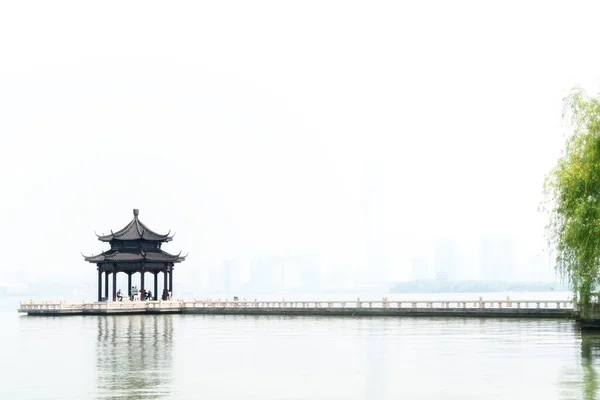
x=133, y=249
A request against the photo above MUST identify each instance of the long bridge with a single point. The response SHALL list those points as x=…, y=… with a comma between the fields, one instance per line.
x=496, y=308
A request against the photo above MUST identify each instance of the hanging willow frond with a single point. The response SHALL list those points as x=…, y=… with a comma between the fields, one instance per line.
x=572, y=199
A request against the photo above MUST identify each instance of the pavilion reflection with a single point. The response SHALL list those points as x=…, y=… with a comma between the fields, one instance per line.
x=134, y=356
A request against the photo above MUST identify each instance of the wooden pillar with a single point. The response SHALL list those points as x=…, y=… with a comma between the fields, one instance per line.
x=142, y=284
x=99, y=283
x=171, y=281
x=165, y=281
x=114, y=286
x=154, y=297
x=106, y=273
x=129, y=284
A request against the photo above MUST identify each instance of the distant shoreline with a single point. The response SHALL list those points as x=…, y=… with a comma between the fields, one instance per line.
x=435, y=286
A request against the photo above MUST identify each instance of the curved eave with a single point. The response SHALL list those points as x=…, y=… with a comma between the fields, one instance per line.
x=128, y=257
x=110, y=238
x=94, y=259
x=181, y=258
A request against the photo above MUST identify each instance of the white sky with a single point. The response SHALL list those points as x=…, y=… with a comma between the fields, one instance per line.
x=250, y=127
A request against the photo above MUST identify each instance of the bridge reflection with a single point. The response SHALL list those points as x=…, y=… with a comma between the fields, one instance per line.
x=134, y=356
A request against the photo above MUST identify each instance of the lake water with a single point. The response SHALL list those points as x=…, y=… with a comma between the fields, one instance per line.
x=304, y=358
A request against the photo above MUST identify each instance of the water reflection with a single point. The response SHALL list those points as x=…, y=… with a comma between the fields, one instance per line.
x=134, y=356
x=590, y=354
x=581, y=381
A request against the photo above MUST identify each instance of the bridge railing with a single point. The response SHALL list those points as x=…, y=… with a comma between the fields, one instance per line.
x=327, y=304
x=48, y=305
x=385, y=304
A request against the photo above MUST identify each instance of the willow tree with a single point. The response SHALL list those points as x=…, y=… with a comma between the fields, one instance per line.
x=572, y=199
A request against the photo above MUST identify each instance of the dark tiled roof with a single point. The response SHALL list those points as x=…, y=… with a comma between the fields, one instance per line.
x=134, y=256
x=136, y=230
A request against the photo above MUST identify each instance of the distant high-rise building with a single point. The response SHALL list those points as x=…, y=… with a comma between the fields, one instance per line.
x=215, y=281
x=376, y=262
x=285, y=273
x=445, y=259
x=310, y=278
x=231, y=275
x=497, y=259
x=541, y=267
x=278, y=273
x=263, y=275
x=338, y=276
x=420, y=268
x=299, y=273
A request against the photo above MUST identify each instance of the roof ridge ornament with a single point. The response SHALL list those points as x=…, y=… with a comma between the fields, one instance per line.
x=136, y=212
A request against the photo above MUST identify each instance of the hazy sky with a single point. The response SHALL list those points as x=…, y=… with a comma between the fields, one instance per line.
x=254, y=127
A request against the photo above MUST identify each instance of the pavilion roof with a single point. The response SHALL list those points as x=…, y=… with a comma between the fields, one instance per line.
x=136, y=230
x=136, y=255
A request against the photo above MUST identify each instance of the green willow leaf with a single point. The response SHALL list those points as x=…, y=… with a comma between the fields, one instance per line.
x=572, y=200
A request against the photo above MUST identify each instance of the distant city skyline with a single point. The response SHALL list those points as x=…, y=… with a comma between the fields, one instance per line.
x=443, y=258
